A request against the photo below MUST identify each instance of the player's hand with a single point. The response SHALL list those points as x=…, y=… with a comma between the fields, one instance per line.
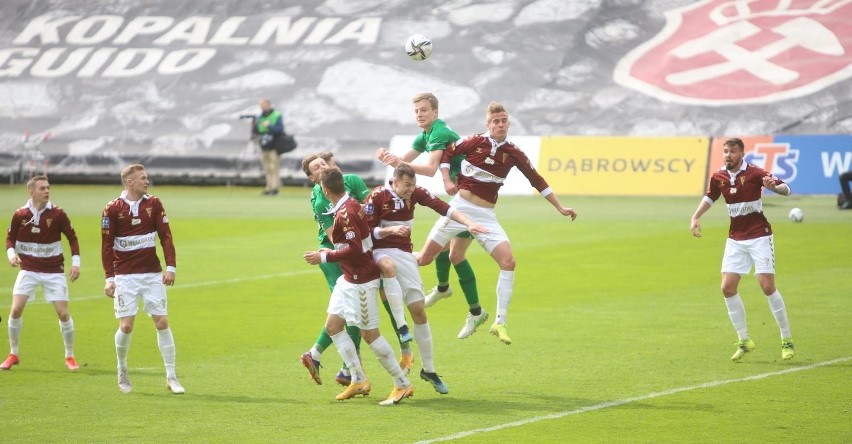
x=568, y=212
x=695, y=228
x=381, y=153
x=169, y=278
x=451, y=188
x=477, y=229
x=15, y=261
x=401, y=230
x=74, y=274
x=109, y=289
x=313, y=257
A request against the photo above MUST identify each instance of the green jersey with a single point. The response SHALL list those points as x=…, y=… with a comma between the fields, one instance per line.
x=321, y=206
x=436, y=139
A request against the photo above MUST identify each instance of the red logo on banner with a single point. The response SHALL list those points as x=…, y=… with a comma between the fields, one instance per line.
x=733, y=52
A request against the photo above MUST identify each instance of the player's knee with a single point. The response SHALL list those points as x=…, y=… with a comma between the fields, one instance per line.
x=768, y=290
x=456, y=257
x=729, y=290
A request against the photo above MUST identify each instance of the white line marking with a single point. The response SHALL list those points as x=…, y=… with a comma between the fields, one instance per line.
x=619, y=402
x=179, y=286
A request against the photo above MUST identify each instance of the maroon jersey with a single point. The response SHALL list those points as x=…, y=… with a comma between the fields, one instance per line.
x=385, y=208
x=352, y=242
x=36, y=237
x=129, y=237
x=487, y=163
x=742, y=192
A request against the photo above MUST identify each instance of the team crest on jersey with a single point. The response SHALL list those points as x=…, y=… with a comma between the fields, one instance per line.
x=777, y=159
x=49, y=221
x=350, y=235
x=149, y=210
x=721, y=52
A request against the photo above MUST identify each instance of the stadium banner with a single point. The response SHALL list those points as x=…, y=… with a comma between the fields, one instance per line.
x=516, y=183
x=627, y=166
x=809, y=164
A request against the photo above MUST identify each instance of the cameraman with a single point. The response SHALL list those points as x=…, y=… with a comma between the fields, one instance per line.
x=269, y=127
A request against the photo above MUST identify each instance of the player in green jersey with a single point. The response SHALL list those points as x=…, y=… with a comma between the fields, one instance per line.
x=434, y=139
x=313, y=165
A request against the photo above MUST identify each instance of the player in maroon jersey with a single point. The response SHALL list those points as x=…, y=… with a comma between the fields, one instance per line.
x=34, y=242
x=129, y=229
x=354, y=300
x=390, y=216
x=750, y=240
x=488, y=158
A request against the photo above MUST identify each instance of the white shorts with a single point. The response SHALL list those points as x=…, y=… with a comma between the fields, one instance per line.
x=741, y=255
x=407, y=273
x=54, y=285
x=358, y=304
x=130, y=288
x=445, y=229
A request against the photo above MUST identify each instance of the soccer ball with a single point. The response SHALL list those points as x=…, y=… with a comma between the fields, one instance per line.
x=418, y=47
x=796, y=215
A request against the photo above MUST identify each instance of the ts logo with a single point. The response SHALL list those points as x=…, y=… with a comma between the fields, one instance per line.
x=776, y=158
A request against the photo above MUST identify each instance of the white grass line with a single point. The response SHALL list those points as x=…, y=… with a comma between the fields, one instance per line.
x=179, y=286
x=619, y=402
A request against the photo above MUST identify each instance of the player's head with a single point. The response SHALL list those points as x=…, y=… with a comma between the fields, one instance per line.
x=425, y=109
x=733, y=150
x=135, y=179
x=404, y=181
x=265, y=105
x=497, y=121
x=39, y=189
x=328, y=157
x=313, y=165
x=331, y=181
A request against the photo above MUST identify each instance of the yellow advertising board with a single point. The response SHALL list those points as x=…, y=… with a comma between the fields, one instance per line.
x=626, y=166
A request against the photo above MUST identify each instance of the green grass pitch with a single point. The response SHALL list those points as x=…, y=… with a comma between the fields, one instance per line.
x=619, y=333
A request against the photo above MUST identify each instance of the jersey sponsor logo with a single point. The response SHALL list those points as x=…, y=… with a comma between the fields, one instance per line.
x=777, y=159
x=719, y=52
x=470, y=170
x=39, y=250
x=744, y=208
x=132, y=243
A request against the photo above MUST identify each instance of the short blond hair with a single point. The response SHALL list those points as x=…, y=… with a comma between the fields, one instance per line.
x=31, y=183
x=427, y=96
x=494, y=108
x=130, y=169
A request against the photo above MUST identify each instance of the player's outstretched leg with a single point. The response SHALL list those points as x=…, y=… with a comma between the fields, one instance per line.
x=743, y=346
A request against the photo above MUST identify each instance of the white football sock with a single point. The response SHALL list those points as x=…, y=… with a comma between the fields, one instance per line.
x=505, y=286
x=122, y=345
x=346, y=349
x=166, y=342
x=67, y=330
x=736, y=311
x=779, y=310
x=15, y=326
x=393, y=292
x=423, y=336
x=384, y=353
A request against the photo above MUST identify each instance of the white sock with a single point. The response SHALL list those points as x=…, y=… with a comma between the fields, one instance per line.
x=122, y=345
x=15, y=326
x=779, y=310
x=384, y=353
x=393, y=291
x=166, y=342
x=67, y=330
x=346, y=349
x=505, y=286
x=736, y=311
x=316, y=355
x=423, y=336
